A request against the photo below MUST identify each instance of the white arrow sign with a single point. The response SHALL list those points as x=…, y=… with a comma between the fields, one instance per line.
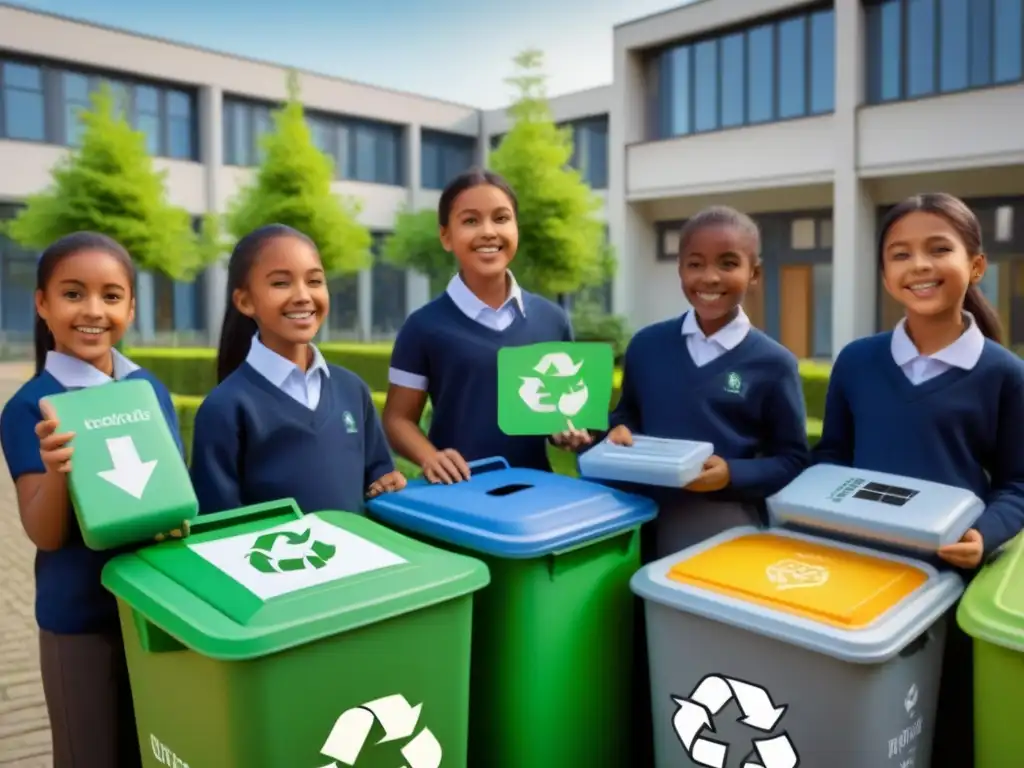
x=130, y=473
x=776, y=752
x=397, y=718
x=561, y=362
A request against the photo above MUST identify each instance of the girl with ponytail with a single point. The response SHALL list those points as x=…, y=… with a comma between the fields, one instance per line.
x=937, y=398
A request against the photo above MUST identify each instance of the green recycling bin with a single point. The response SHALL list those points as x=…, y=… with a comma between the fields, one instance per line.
x=992, y=613
x=273, y=639
x=552, y=681
x=128, y=481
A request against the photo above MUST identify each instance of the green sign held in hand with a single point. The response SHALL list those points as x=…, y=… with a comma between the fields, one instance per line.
x=547, y=388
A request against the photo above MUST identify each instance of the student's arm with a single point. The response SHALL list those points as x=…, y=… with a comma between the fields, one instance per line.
x=43, y=502
x=216, y=447
x=408, y=379
x=378, y=461
x=837, y=431
x=785, y=449
x=1003, y=517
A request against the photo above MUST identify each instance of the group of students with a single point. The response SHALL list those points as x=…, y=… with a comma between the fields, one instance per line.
x=936, y=398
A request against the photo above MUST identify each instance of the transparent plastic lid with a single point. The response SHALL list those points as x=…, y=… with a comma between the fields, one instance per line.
x=649, y=461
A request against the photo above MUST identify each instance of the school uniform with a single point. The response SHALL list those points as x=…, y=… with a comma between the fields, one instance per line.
x=272, y=431
x=85, y=679
x=449, y=349
x=737, y=389
x=952, y=417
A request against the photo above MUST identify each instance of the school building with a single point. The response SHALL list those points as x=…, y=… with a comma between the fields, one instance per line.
x=811, y=117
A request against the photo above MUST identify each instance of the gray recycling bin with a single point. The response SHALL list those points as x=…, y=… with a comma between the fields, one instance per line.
x=779, y=648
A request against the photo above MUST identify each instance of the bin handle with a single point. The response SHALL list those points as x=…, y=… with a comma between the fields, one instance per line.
x=218, y=520
x=488, y=465
x=919, y=643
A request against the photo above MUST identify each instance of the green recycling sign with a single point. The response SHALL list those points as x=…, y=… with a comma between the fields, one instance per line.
x=548, y=388
x=262, y=556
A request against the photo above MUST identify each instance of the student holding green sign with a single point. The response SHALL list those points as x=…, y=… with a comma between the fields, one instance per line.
x=448, y=349
x=709, y=376
x=84, y=302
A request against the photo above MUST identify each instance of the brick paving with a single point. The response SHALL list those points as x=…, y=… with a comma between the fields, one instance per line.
x=24, y=727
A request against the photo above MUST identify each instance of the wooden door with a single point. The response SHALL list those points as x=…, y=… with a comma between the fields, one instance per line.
x=795, y=306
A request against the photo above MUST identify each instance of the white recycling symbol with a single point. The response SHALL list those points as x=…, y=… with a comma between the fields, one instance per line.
x=910, y=700
x=561, y=365
x=696, y=714
x=397, y=718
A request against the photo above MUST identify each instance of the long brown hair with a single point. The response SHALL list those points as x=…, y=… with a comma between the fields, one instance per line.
x=962, y=218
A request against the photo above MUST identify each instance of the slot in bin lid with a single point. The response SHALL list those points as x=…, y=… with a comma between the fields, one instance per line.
x=906, y=513
x=834, y=598
x=512, y=512
x=248, y=585
x=992, y=608
x=650, y=460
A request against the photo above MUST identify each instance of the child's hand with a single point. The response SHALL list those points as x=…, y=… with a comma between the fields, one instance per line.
x=53, y=447
x=572, y=439
x=620, y=435
x=714, y=476
x=967, y=553
x=389, y=483
x=446, y=467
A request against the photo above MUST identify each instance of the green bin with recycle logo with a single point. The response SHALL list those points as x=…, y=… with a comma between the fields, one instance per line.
x=273, y=639
x=128, y=482
x=992, y=613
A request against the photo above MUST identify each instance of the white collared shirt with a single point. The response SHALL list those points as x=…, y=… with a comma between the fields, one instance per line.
x=302, y=386
x=476, y=310
x=704, y=349
x=963, y=353
x=73, y=373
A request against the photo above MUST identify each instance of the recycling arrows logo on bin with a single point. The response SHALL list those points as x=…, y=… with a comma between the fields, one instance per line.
x=696, y=713
x=262, y=557
x=397, y=718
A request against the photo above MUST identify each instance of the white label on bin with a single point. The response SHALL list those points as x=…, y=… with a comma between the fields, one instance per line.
x=902, y=747
x=398, y=719
x=296, y=555
x=796, y=574
x=164, y=754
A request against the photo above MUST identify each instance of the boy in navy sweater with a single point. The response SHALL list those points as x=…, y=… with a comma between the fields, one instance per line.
x=710, y=376
x=448, y=349
x=282, y=422
x=937, y=398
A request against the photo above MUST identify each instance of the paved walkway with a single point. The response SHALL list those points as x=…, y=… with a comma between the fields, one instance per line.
x=24, y=727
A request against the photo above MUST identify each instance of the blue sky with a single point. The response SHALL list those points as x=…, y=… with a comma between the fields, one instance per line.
x=452, y=49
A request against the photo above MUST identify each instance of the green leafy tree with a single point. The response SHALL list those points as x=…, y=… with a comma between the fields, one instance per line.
x=415, y=244
x=561, y=237
x=293, y=186
x=109, y=185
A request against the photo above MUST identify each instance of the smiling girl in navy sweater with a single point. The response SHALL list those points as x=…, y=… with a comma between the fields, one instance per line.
x=281, y=422
x=448, y=349
x=939, y=399
x=709, y=376
x=84, y=303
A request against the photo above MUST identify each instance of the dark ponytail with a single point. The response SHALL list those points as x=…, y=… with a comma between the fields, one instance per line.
x=237, y=329
x=956, y=212
x=59, y=250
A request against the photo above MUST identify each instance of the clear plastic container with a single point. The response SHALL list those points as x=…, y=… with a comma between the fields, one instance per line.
x=649, y=461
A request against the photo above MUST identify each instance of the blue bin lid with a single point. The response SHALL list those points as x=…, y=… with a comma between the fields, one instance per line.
x=513, y=512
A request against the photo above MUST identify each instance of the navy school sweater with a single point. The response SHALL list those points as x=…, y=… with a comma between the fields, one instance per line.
x=253, y=443
x=748, y=403
x=70, y=598
x=962, y=428
x=459, y=358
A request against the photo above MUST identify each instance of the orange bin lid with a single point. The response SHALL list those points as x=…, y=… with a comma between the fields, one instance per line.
x=817, y=581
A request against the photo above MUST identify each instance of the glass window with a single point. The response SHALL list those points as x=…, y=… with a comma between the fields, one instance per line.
x=597, y=161
x=24, y=107
x=761, y=74
x=1009, y=29
x=122, y=97
x=825, y=233
x=981, y=42
x=670, y=243
x=76, y=99
x=365, y=166
x=733, y=61
x=18, y=285
x=823, y=61
x=342, y=169
x=180, y=126
x=147, y=116
x=679, y=97
x=887, y=54
x=430, y=163
x=920, y=47
x=344, y=314
x=705, y=86
x=240, y=145
x=792, y=68
x=802, y=234
x=262, y=125
x=821, y=298
x=1004, y=224
x=389, y=141
x=163, y=303
x=953, y=25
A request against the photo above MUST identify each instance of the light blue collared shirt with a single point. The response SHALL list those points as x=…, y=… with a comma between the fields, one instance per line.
x=302, y=386
x=703, y=349
x=963, y=353
x=73, y=373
